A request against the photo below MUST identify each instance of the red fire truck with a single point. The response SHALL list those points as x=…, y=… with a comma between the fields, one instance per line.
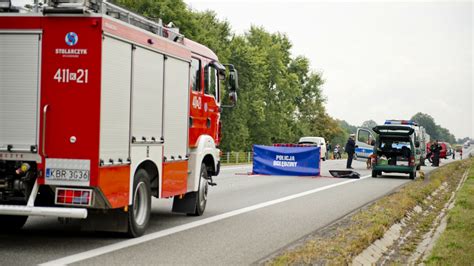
x=101, y=109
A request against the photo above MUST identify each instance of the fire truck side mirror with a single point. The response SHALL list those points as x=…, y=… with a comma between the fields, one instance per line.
x=232, y=85
x=233, y=79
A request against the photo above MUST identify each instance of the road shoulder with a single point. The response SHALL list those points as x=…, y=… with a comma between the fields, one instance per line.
x=349, y=237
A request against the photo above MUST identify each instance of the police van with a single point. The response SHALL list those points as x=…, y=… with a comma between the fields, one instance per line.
x=395, y=150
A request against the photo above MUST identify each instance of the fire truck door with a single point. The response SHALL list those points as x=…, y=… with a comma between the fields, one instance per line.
x=211, y=100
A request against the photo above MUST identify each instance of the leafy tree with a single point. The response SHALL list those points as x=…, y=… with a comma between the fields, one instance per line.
x=348, y=128
x=428, y=123
x=463, y=140
x=343, y=135
x=280, y=98
x=369, y=124
x=434, y=130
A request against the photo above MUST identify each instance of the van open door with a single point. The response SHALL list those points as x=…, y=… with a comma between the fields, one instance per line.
x=365, y=142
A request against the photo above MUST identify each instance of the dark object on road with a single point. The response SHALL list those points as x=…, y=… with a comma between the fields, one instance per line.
x=344, y=174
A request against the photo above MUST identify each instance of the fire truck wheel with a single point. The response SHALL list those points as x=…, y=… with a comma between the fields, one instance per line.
x=139, y=211
x=202, y=192
x=8, y=222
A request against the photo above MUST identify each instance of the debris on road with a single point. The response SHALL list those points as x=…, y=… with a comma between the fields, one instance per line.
x=344, y=174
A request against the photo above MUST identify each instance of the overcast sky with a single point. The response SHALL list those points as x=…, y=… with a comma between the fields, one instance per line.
x=380, y=59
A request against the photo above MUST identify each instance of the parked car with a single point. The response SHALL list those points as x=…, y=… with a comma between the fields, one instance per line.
x=444, y=150
x=317, y=141
x=395, y=150
x=449, y=150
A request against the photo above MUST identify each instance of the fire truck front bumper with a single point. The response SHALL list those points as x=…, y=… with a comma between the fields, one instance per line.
x=78, y=213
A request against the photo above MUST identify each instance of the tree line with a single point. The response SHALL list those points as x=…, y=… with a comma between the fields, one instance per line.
x=427, y=121
x=436, y=131
x=280, y=98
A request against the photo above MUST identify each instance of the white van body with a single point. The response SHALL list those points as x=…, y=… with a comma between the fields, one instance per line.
x=319, y=141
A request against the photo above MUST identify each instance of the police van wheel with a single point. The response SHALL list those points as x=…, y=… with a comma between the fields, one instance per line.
x=412, y=175
x=10, y=223
x=374, y=173
x=139, y=211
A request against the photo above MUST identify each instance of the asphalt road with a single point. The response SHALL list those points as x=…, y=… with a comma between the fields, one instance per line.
x=247, y=218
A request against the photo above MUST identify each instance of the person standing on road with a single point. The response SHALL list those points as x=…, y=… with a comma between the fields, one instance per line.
x=435, y=149
x=350, y=149
x=328, y=149
x=337, y=152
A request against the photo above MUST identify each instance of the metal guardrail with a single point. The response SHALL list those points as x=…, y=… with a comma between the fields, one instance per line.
x=233, y=157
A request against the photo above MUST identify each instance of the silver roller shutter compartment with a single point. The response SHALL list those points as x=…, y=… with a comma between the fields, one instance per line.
x=176, y=108
x=115, y=101
x=147, y=100
x=19, y=79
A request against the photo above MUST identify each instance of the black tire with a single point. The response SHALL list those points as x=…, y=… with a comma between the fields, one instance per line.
x=412, y=175
x=139, y=211
x=10, y=223
x=374, y=173
x=418, y=167
x=201, y=197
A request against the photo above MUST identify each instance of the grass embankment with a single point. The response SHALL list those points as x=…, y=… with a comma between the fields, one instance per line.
x=456, y=244
x=351, y=238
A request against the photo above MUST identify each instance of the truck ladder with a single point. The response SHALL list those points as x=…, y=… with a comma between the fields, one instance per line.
x=114, y=11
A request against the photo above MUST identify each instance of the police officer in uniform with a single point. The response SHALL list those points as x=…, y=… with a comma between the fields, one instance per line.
x=350, y=149
x=435, y=150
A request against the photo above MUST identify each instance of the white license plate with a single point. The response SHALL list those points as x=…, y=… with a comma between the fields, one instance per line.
x=67, y=174
x=67, y=170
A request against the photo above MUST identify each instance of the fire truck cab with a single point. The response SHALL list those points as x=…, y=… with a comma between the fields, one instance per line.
x=101, y=109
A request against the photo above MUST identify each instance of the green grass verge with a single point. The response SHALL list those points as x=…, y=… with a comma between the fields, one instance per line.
x=370, y=223
x=456, y=244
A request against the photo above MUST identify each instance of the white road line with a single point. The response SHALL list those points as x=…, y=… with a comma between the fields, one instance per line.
x=235, y=168
x=132, y=242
